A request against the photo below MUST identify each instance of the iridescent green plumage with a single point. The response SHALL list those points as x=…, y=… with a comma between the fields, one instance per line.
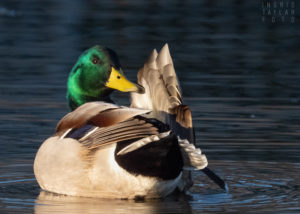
x=87, y=79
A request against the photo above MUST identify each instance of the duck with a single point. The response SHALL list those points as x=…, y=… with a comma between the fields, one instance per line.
x=104, y=150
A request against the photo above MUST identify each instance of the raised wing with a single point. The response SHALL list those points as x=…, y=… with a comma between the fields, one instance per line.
x=162, y=90
x=163, y=96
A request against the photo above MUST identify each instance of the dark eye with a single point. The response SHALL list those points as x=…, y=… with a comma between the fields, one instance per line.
x=119, y=77
x=95, y=60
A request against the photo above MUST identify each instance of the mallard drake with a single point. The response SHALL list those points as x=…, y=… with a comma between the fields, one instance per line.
x=104, y=150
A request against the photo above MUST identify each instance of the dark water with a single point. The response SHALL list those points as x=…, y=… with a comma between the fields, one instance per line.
x=239, y=75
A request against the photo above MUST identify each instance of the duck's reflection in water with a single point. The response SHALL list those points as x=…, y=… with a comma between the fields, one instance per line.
x=54, y=203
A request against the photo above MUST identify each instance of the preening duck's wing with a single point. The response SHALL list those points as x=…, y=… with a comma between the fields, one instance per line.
x=162, y=90
x=163, y=96
x=95, y=124
x=134, y=128
x=82, y=114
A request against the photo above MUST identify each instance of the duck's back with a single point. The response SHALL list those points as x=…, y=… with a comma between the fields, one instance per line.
x=103, y=150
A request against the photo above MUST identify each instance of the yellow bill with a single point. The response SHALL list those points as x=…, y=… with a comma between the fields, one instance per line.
x=119, y=82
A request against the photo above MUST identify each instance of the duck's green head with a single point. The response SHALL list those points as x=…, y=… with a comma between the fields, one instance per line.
x=95, y=75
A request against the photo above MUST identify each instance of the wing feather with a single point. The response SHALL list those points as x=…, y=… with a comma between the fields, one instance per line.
x=99, y=113
x=163, y=95
x=127, y=130
x=158, y=76
x=82, y=114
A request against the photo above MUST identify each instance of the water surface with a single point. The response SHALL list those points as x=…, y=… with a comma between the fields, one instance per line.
x=239, y=75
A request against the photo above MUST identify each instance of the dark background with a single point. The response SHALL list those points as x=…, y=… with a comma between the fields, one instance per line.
x=239, y=74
